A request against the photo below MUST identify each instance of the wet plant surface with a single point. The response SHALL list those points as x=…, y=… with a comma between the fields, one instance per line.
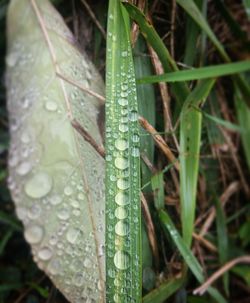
x=190, y=133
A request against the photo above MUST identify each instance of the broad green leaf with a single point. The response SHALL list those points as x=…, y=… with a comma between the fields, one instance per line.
x=56, y=177
x=190, y=140
x=123, y=215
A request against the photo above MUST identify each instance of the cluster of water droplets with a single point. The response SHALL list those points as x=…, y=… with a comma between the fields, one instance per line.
x=55, y=177
x=122, y=169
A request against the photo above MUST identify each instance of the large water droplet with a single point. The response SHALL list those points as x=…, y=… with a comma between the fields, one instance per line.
x=123, y=127
x=68, y=190
x=123, y=101
x=23, y=169
x=55, y=199
x=133, y=116
x=39, y=185
x=45, y=253
x=122, y=198
x=121, y=163
x=135, y=152
x=63, y=213
x=121, y=213
x=121, y=228
x=121, y=260
x=121, y=144
x=122, y=184
x=73, y=234
x=55, y=267
x=34, y=234
x=51, y=106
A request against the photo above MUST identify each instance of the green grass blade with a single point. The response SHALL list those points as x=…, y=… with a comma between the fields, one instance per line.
x=190, y=7
x=163, y=292
x=243, y=114
x=192, y=33
x=180, y=90
x=123, y=218
x=146, y=104
x=157, y=183
x=213, y=71
x=187, y=254
x=190, y=137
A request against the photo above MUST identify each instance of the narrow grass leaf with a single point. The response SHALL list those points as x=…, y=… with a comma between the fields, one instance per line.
x=5, y=239
x=247, y=7
x=123, y=217
x=190, y=140
x=157, y=184
x=213, y=71
x=243, y=114
x=187, y=254
x=190, y=7
x=180, y=90
x=164, y=291
x=146, y=104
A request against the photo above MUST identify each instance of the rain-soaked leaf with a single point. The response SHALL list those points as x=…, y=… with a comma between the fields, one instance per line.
x=55, y=176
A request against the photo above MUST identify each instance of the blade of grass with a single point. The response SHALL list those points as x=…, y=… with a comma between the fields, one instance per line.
x=164, y=291
x=243, y=114
x=157, y=184
x=247, y=7
x=190, y=7
x=180, y=90
x=187, y=253
x=190, y=140
x=146, y=104
x=213, y=71
x=123, y=217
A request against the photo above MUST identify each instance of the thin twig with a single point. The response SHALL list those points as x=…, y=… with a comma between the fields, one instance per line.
x=203, y=288
x=232, y=188
x=81, y=87
x=159, y=141
x=150, y=229
x=88, y=137
x=93, y=17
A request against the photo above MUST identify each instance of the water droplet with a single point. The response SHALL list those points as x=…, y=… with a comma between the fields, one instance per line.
x=63, y=213
x=121, y=144
x=121, y=213
x=124, y=54
x=122, y=198
x=39, y=185
x=124, y=94
x=23, y=169
x=68, y=190
x=133, y=116
x=111, y=273
x=34, y=234
x=123, y=128
x=121, y=228
x=54, y=267
x=51, y=106
x=12, y=59
x=25, y=138
x=87, y=263
x=123, y=101
x=55, y=199
x=135, y=138
x=121, y=163
x=135, y=152
x=78, y=279
x=34, y=211
x=122, y=184
x=45, y=253
x=73, y=234
x=121, y=260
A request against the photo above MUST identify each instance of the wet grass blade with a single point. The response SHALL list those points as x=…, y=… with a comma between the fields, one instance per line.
x=123, y=218
x=199, y=73
x=190, y=140
x=187, y=254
